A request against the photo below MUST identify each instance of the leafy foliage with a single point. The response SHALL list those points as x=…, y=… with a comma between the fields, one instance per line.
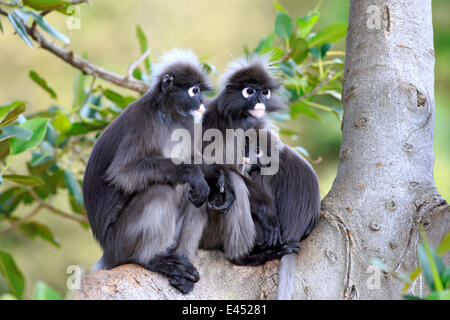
x=59, y=139
x=436, y=274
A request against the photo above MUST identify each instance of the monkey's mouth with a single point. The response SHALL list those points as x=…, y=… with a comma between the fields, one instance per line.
x=198, y=114
x=258, y=111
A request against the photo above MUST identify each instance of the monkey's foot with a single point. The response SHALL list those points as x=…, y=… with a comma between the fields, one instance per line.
x=181, y=272
x=182, y=284
x=220, y=197
x=271, y=230
x=256, y=257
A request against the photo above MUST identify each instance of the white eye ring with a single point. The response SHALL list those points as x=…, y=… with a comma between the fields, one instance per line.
x=268, y=93
x=246, y=94
x=193, y=91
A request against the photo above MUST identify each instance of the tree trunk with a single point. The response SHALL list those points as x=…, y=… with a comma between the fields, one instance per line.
x=384, y=186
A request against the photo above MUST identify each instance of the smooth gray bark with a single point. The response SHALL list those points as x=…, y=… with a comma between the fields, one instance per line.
x=384, y=186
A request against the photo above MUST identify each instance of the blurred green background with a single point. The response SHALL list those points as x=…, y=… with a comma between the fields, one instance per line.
x=219, y=29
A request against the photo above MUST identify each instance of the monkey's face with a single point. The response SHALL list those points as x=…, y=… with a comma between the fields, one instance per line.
x=249, y=100
x=251, y=92
x=183, y=88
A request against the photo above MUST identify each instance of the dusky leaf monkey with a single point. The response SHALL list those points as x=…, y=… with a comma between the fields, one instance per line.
x=290, y=196
x=134, y=193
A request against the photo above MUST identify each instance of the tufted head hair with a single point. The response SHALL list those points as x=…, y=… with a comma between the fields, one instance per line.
x=184, y=66
x=255, y=69
x=250, y=89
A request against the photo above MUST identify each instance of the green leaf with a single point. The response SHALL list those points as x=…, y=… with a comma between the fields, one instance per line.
x=13, y=115
x=299, y=49
x=275, y=53
x=5, y=108
x=408, y=297
x=42, y=83
x=412, y=277
x=117, y=98
x=330, y=34
x=44, y=292
x=33, y=229
x=265, y=43
x=439, y=295
x=12, y=274
x=8, y=296
x=79, y=94
x=11, y=198
x=48, y=28
x=431, y=265
x=73, y=186
x=143, y=44
x=283, y=25
x=75, y=206
x=288, y=132
x=137, y=74
x=44, y=4
x=445, y=276
x=444, y=247
x=305, y=24
x=15, y=131
x=20, y=29
x=38, y=127
x=279, y=7
x=31, y=181
x=320, y=52
x=82, y=128
x=303, y=108
x=1, y=26
x=62, y=123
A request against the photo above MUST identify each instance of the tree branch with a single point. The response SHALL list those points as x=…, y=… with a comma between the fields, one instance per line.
x=82, y=64
x=134, y=65
x=56, y=211
x=21, y=221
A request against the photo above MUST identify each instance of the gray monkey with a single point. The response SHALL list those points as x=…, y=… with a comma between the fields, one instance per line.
x=289, y=199
x=135, y=194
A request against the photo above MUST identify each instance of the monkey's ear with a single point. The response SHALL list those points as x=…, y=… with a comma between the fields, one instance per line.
x=166, y=83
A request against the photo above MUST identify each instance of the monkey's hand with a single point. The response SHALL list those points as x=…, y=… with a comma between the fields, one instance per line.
x=199, y=191
x=192, y=174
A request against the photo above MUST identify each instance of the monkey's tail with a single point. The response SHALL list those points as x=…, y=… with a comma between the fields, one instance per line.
x=286, y=276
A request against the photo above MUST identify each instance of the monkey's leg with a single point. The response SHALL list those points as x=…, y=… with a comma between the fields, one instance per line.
x=144, y=232
x=239, y=228
x=264, y=211
x=193, y=224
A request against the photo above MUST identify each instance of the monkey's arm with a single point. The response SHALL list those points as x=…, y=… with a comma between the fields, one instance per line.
x=136, y=175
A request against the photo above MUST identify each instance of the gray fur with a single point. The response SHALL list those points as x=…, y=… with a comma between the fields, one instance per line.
x=285, y=205
x=239, y=227
x=194, y=222
x=134, y=193
x=286, y=276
